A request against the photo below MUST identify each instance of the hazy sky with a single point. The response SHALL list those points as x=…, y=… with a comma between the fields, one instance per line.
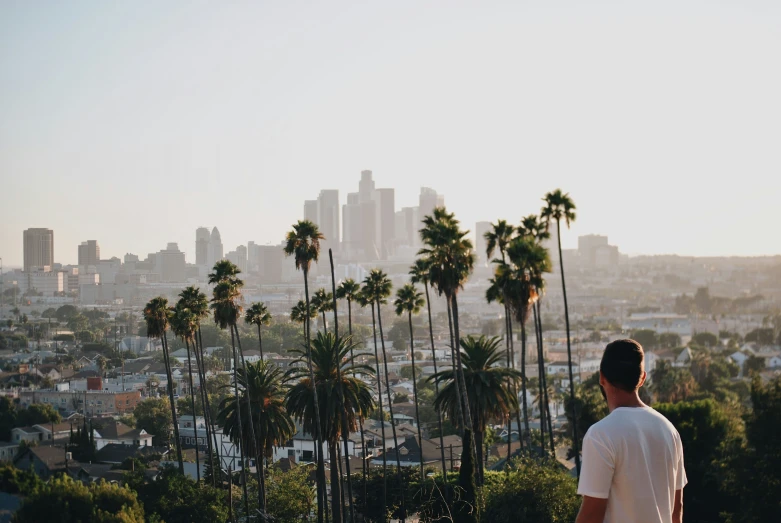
x=135, y=122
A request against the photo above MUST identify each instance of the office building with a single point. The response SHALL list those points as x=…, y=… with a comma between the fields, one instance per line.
x=215, y=248
x=238, y=257
x=428, y=200
x=38, y=248
x=170, y=264
x=594, y=251
x=89, y=253
x=202, y=239
x=369, y=222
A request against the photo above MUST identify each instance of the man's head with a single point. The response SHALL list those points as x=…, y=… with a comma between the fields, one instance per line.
x=622, y=368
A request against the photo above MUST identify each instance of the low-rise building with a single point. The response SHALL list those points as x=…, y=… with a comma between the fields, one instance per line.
x=91, y=402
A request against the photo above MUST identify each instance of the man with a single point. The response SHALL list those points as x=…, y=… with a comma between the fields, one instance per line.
x=632, y=459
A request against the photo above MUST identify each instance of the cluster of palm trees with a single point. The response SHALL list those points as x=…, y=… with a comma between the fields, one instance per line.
x=328, y=394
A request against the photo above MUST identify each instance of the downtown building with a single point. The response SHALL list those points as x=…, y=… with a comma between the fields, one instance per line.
x=369, y=222
x=38, y=248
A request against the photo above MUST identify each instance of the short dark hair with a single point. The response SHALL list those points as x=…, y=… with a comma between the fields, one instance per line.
x=622, y=364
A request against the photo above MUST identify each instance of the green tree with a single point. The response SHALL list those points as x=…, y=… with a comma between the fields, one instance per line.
x=648, y=338
x=355, y=400
x=669, y=340
x=704, y=428
x=323, y=302
x=154, y=416
x=705, y=339
x=559, y=206
x=530, y=492
x=71, y=501
x=157, y=316
x=66, y=312
x=290, y=496
x=38, y=414
x=753, y=364
x=487, y=387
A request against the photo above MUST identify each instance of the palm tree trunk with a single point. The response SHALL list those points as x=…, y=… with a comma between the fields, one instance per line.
x=541, y=400
x=195, y=421
x=453, y=350
x=325, y=325
x=345, y=426
x=360, y=418
x=177, y=441
x=382, y=419
x=523, y=386
x=390, y=408
x=257, y=441
x=202, y=394
x=545, y=378
x=321, y=494
x=415, y=396
x=512, y=383
x=208, y=411
x=479, y=471
x=460, y=373
x=241, y=441
x=436, y=383
x=569, y=354
x=260, y=343
x=521, y=442
x=336, y=506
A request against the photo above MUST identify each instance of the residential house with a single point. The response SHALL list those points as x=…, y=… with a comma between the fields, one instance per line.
x=118, y=432
x=44, y=460
x=410, y=450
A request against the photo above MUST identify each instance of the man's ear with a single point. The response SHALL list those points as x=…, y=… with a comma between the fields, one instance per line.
x=602, y=380
x=642, y=379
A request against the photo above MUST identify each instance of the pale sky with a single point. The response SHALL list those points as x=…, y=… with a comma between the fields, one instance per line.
x=133, y=123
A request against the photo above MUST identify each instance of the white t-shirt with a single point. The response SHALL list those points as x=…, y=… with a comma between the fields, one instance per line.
x=634, y=459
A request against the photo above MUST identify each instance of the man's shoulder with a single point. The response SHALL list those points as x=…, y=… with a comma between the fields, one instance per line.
x=616, y=422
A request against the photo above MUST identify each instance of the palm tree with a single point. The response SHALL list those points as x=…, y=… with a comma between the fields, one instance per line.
x=156, y=316
x=419, y=273
x=192, y=298
x=350, y=290
x=183, y=324
x=498, y=238
x=533, y=227
x=329, y=355
x=487, y=388
x=259, y=315
x=410, y=301
x=298, y=313
x=323, y=301
x=263, y=392
x=378, y=287
x=303, y=243
x=559, y=206
x=450, y=257
x=226, y=309
x=528, y=261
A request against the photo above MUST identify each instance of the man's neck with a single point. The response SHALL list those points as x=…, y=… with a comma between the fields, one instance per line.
x=625, y=399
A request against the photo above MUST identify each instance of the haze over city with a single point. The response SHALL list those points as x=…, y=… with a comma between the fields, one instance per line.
x=390, y=262
x=136, y=133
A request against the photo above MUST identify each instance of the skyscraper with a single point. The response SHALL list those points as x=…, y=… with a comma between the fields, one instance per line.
x=324, y=212
x=428, y=200
x=215, y=248
x=170, y=264
x=38, y=248
x=310, y=211
x=89, y=253
x=202, y=238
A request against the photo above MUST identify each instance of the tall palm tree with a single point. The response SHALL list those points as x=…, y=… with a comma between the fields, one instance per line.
x=378, y=287
x=227, y=310
x=183, y=323
x=528, y=261
x=419, y=273
x=330, y=359
x=198, y=303
x=263, y=384
x=533, y=227
x=451, y=262
x=498, y=238
x=303, y=243
x=323, y=301
x=559, y=206
x=157, y=316
x=258, y=314
x=298, y=313
x=487, y=388
x=410, y=301
x=350, y=290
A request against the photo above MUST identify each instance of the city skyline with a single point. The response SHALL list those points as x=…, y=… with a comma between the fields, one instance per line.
x=660, y=147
